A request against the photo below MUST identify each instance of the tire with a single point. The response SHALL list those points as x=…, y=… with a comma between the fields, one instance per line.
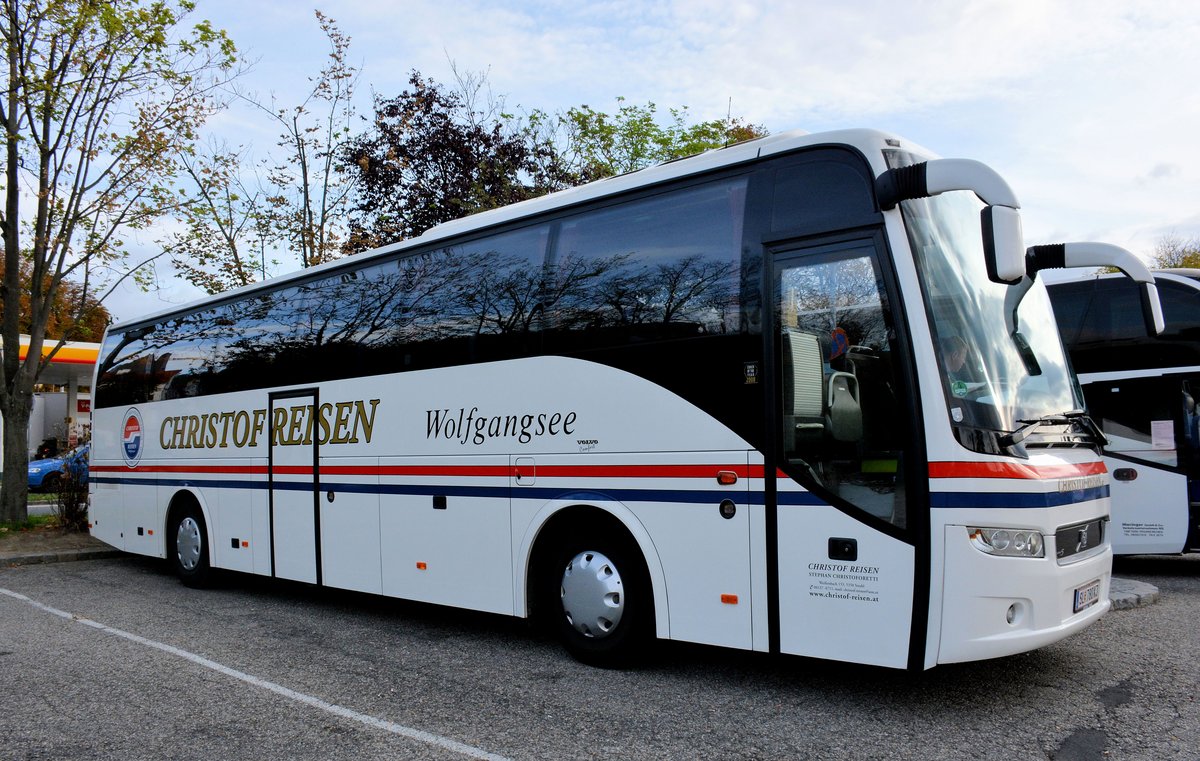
x=187, y=546
x=597, y=597
x=49, y=483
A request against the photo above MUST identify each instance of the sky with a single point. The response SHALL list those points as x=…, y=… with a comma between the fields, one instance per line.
x=1089, y=110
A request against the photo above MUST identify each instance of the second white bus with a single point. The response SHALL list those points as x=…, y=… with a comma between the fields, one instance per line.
x=1142, y=389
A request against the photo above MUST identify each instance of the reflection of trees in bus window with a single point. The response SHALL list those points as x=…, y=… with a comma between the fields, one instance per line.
x=662, y=260
x=844, y=295
x=671, y=260
x=843, y=429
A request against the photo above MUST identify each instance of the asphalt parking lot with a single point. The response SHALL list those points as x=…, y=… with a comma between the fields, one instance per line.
x=113, y=659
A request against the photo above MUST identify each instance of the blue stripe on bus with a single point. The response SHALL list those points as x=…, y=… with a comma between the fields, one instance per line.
x=789, y=498
x=974, y=499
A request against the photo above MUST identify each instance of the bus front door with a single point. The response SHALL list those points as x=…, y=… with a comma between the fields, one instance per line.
x=295, y=484
x=845, y=559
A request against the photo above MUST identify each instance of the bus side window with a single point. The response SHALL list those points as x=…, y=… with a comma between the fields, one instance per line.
x=1139, y=416
x=842, y=426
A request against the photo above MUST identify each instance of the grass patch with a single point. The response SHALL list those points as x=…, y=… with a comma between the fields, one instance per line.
x=31, y=523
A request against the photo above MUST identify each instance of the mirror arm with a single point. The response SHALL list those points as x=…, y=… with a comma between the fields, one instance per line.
x=1077, y=255
x=1000, y=219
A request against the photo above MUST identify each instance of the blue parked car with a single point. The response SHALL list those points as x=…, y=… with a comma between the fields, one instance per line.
x=44, y=474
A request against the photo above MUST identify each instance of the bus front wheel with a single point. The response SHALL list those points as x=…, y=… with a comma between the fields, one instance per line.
x=188, y=550
x=597, y=593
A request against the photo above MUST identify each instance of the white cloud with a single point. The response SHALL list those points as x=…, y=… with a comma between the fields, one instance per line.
x=1088, y=109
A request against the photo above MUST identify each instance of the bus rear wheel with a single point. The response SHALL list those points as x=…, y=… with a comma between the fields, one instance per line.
x=597, y=595
x=187, y=552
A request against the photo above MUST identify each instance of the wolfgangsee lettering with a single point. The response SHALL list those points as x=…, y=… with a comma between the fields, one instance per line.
x=471, y=426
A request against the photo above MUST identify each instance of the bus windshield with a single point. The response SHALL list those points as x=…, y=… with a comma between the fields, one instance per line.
x=994, y=379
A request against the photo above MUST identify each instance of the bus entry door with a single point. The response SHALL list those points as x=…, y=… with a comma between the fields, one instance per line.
x=295, y=484
x=846, y=563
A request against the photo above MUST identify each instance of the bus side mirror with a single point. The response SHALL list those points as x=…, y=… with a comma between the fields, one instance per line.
x=1003, y=244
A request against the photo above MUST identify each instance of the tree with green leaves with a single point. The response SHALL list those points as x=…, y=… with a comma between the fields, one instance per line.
x=74, y=315
x=311, y=194
x=235, y=213
x=436, y=153
x=1174, y=251
x=228, y=224
x=432, y=156
x=598, y=144
x=99, y=98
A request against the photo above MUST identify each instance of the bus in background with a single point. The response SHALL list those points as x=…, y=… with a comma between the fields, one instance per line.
x=774, y=397
x=1142, y=390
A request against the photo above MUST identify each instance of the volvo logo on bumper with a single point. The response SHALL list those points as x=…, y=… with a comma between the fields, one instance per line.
x=1072, y=540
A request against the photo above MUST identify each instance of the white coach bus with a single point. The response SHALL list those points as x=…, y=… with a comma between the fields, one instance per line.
x=1142, y=390
x=765, y=398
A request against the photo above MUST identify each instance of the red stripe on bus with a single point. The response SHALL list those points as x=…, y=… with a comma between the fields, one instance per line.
x=544, y=471
x=1013, y=470
x=645, y=471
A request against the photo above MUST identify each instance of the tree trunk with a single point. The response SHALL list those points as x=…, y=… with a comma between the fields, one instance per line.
x=14, y=489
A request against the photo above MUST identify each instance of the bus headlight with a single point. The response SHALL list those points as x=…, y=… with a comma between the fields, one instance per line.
x=1008, y=542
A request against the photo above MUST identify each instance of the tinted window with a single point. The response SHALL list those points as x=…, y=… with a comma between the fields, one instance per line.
x=1070, y=302
x=1141, y=416
x=820, y=194
x=1181, y=310
x=126, y=370
x=661, y=267
x=1101, y=324
x=1115, y=313
x=449, y=306
x=638, y=273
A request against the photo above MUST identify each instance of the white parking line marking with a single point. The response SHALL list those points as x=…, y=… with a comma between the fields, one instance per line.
x=346, y=713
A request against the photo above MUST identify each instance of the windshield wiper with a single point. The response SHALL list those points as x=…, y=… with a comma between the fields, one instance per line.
x=1089, y=426
x=1070, y=417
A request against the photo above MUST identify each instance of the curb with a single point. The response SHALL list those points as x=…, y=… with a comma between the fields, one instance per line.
x=59, y=557
x=1127, y=594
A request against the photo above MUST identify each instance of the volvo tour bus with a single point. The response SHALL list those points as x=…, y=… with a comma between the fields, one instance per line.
x=1142, y=390
x=764, y=398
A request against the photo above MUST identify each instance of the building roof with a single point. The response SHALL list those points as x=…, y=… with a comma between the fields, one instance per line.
x=75, y=362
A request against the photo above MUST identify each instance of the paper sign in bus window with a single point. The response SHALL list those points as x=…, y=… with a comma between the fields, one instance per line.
x=1162, y=434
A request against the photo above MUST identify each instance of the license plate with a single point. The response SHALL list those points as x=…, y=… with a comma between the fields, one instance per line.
x=1087, y=595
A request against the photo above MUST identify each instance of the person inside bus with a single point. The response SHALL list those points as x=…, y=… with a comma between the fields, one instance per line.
x=954, y=357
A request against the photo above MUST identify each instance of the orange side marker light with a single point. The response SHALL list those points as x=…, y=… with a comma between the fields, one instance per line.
x=421, y=565
x=729, y=599
x=726, y=477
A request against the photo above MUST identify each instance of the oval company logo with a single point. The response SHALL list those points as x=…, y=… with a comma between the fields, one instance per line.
x=131, y=438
